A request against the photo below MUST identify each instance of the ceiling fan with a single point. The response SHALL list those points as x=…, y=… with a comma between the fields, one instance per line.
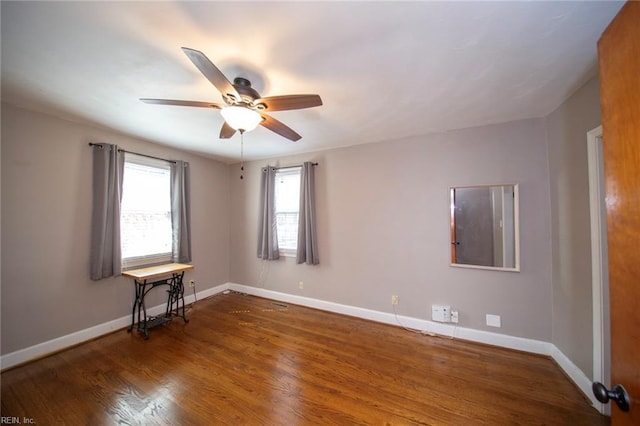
x=244, y=108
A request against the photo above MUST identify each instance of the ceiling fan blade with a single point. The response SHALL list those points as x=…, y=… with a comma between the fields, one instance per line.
x=279, y=127
x=213, y=74
x=226, y=131
x=282, y=103
x=182, y=103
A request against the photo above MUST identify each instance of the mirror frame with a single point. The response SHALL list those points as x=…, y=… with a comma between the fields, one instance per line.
x=516, y=226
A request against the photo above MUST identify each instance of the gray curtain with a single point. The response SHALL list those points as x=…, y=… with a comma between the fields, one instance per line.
x=106, y=254
x=267, y=225
x=307, y=239
x=181, y=212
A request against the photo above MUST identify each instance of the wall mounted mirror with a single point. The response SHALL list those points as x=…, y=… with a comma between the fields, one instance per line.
x=484, y=227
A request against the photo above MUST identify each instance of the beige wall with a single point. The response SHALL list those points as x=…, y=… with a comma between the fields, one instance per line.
x=46, y=213
x=571, y=236
x=383, y=212
x=382, y=223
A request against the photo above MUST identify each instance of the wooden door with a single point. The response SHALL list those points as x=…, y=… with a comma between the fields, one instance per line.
x=619, y=63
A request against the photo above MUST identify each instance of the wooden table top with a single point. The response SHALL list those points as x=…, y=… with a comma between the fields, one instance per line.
x=157, y=271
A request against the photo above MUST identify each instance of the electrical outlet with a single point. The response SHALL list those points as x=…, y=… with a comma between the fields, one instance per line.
x=493, y=320
x=394, y=300
x=192, y=283
x=441, y=313
x=454, y=317
x=301, y=285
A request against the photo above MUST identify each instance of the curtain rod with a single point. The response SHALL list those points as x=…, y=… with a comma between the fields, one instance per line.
x=291, y=167
x=136, y=153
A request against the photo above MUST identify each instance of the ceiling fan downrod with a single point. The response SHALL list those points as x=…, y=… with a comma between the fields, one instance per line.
x=241, y=154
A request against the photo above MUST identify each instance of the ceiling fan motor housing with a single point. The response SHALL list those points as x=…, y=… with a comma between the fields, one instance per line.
x=246, y=92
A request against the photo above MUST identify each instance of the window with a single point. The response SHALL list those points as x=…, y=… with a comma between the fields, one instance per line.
x=145, y=216
x=287, y=201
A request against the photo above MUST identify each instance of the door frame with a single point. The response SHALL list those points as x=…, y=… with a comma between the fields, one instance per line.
x=599, y=265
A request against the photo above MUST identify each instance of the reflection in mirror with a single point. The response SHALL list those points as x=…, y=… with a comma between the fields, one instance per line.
x=484, y=227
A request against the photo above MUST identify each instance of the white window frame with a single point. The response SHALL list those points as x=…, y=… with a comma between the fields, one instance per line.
x=288, y=172
x=155, y=258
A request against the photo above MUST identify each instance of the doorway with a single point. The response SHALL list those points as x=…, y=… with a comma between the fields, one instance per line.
x=599, y=264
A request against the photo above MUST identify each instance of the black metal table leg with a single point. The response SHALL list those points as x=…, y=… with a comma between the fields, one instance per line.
x=180, y=296
x=144, y=311
x=176, y=295
x=135, y=304
x=143, y=286
x=138, y=303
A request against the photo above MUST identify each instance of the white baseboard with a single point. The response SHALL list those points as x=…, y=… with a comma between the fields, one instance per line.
x=449, y=330
x=577, y=376
x=496, y=339
x=41, y=349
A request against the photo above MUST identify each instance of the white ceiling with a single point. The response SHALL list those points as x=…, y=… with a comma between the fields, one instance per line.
x=385, y=70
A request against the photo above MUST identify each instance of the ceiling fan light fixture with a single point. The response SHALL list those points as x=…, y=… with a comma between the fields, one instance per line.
x=244, y=108
x=241, y=118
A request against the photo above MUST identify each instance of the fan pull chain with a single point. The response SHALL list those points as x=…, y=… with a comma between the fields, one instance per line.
x=241, y=154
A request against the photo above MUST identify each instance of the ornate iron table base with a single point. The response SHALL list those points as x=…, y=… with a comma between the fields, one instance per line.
x=175, y=302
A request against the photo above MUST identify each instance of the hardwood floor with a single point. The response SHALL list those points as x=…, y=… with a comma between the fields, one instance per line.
x=247, y=360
